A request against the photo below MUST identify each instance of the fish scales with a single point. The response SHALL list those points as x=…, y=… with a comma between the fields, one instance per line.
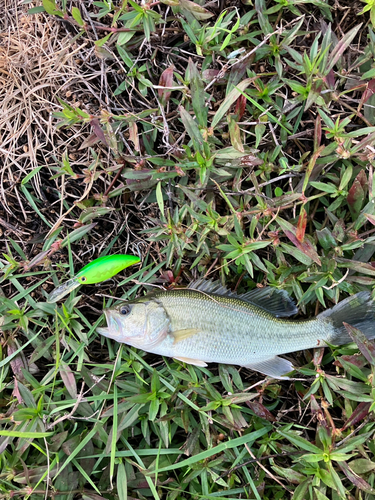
x=207, y=323
x=231, y=330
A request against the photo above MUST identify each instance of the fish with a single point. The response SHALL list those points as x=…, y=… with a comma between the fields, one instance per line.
x=207, y=323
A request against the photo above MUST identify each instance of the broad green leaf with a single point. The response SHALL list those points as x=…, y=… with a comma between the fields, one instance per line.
x=326, y=187
x=198, y=12
x=340, y=48
x=191, y=127
x=77, y=234
x=197, y=94
x=51, y=8
x=77, y=16
x=230, y=99
x=300, y=442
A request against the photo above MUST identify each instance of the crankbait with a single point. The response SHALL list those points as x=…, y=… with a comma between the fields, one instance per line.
x=98, y=270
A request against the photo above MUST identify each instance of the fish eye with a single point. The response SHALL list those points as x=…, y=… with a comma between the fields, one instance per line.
x=124, y=310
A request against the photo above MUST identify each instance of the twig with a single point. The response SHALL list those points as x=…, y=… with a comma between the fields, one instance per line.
x=335, y=283
x=69, y=415
x=9, y=227
x=266, y=470
x=357, y=429
x=62, y=217
x=107, y=191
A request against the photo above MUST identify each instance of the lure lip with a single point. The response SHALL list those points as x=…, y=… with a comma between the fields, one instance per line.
x=60, y=292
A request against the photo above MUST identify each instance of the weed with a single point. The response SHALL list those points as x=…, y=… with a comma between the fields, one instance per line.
x=235, y=144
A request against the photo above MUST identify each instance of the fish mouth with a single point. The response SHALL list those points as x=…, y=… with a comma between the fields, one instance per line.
x=105, y=330
x=113, y=328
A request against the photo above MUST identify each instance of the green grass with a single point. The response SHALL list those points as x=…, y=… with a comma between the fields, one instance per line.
x=234, y=144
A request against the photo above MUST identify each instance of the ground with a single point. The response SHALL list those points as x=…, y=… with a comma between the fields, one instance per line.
x=232, y=141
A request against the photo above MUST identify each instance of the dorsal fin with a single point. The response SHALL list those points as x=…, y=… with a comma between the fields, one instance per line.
x=210, y=286
x=277, y=302
x=272, y=300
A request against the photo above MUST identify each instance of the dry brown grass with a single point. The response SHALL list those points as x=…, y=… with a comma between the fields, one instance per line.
x=37, y=62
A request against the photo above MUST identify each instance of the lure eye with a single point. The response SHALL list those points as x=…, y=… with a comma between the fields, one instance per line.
x=124, y=310
x=82, y=279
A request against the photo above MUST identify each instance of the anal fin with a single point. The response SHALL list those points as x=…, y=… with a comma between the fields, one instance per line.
x=273, y=367
x=190, y=361
x=184, y=334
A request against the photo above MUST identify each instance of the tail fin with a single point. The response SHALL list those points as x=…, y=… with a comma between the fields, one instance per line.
x=358, y=311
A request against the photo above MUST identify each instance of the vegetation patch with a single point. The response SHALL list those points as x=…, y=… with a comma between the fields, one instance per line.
x=233, y=140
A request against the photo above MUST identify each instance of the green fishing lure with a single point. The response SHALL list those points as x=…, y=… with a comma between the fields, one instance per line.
x=98, y=270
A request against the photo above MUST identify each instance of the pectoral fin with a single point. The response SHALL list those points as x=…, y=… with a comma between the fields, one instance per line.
x=273, y=367
x=184, y=334
x=189, y=361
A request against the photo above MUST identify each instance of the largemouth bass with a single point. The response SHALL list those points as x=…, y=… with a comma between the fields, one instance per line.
x=206, y=323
